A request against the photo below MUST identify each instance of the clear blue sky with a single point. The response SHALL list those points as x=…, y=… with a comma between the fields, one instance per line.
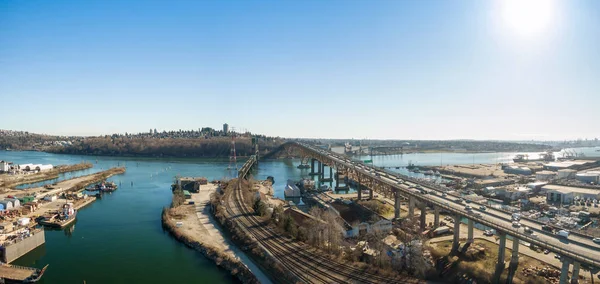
x=341, y=69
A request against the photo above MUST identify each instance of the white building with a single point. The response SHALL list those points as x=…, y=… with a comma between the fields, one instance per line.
x=545, y=175
x=382, y=225
x=588, y=177
x=566, y=194
x=5, y=166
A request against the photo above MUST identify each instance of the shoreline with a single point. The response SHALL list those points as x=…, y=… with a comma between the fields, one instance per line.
x=235, y=267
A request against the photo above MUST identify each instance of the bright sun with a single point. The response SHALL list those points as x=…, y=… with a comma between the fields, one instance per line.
x=528, y=17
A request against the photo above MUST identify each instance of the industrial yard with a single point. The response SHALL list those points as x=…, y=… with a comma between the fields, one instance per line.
x=25, y=212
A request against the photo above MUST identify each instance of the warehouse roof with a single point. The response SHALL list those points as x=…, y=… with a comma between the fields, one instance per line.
x=570, y=189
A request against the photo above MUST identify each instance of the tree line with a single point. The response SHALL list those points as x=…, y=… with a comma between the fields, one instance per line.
x=148, y=147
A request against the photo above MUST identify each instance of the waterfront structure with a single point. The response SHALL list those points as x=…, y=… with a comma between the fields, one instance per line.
x=566, y=194
x=24, y=241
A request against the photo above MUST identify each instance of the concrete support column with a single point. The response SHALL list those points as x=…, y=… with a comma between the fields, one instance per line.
x=501, y=255
x=411, y=207
x=330, y=172
x=320, y=166
x=423, y=217
x=312, y=166
x=564, y=272
x=575, y=278
x=359, y=189
x=397, y=205
x=515, y=251
x=455, y=240
x=370, y=193
x=436, y=217
x=470, y=232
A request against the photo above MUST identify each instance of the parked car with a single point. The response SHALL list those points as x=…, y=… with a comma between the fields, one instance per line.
x=468, y=208
x=596, y=240
x=516, y=224
x=482, y=208
x=546, y=251
x=528, y=230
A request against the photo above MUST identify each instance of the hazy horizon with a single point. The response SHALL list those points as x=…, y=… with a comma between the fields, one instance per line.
x=398, y=70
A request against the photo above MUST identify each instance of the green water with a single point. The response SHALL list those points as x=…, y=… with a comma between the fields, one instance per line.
x=119, y=238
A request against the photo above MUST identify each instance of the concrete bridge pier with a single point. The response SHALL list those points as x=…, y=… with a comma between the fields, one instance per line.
x=575, y=278
x=359, y=186
x=312, y=167
x=470, y=231
x=321, y=168
x=423, y=217
x=326, y=179
x=436, y=217
x=456, y=239
x=370, y=194
x=411, y=207
x=514, y=260
x=501, y=254
x=396, y=204
x=564, y=272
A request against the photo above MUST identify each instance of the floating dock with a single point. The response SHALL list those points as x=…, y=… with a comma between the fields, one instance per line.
x=20, y=274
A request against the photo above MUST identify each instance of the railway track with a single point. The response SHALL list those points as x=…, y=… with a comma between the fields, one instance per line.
x=307, y=266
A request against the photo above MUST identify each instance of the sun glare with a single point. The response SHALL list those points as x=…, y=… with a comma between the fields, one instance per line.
x=528, y=17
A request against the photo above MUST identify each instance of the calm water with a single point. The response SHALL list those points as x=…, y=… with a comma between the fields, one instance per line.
x=119, y=238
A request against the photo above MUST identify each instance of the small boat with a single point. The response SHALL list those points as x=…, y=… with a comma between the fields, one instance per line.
x=20, y=274
x=60, y=219
x=428, y=172
x=324, y=187
x=304, y=166
x=103, y=186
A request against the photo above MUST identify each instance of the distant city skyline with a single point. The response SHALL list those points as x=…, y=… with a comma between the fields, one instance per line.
x=415, y=70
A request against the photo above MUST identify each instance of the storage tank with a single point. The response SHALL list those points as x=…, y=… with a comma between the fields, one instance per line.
x=7, y=204
x=15, y=202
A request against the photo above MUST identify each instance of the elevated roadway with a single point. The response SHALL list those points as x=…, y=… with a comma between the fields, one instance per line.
x=576, y=249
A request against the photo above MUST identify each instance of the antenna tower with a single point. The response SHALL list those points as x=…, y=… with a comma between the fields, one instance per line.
x=232, y=156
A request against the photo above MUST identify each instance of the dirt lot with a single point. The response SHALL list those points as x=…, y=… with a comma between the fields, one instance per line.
x=477, y=170
x=197, y=222
x=484, y=267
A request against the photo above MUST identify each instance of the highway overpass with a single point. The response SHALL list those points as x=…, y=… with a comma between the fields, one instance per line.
x=576, y=250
